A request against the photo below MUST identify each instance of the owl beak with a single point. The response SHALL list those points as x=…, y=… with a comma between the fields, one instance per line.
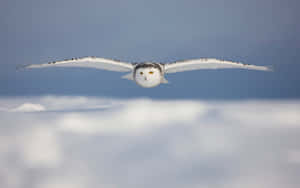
x=145, y=78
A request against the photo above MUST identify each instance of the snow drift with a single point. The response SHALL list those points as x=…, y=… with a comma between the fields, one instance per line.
x=96, y=142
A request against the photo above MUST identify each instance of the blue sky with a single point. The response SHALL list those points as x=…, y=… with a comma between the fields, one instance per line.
x=255, y=32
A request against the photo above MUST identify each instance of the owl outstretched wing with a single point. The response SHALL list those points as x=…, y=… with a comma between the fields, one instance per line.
x=209, y=63
x=86, y=62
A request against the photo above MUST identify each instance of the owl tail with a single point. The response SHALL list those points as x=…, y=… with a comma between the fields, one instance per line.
x=128, y=76
x=164, y=81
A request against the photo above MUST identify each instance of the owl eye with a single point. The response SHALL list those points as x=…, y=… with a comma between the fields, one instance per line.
x=151, y=72
x=141, y=73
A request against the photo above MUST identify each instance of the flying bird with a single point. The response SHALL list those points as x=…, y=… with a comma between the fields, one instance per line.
x=147, y=74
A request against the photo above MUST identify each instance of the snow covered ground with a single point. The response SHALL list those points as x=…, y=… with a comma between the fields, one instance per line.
x=76, y=142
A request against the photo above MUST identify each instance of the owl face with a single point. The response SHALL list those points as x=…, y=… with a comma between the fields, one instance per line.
x=148, y=76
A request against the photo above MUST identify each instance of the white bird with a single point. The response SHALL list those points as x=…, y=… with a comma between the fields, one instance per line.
x=147, y=74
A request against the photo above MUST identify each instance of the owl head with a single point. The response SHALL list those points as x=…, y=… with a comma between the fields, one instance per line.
x=148, y=75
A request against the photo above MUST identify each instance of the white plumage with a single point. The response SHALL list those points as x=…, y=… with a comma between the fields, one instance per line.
x=88, y=62
x=148, y=74
x=209, y=63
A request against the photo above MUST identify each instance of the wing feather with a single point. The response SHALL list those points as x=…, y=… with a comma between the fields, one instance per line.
x=87, y=62
x=209, y=63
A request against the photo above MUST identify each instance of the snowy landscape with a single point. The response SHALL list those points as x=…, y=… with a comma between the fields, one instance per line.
x=81, y=142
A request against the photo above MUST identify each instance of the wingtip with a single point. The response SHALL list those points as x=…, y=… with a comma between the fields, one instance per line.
x=21, y=67
x=264, y=68
x=270, y=68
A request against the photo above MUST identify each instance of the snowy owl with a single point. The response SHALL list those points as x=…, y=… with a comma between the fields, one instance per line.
x=147, y=74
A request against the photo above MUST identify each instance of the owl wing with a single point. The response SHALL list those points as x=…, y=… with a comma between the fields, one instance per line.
x=196, y=64
x=87, y=62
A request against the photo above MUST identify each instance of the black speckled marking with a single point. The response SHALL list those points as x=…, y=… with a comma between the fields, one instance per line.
x=146, y=65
